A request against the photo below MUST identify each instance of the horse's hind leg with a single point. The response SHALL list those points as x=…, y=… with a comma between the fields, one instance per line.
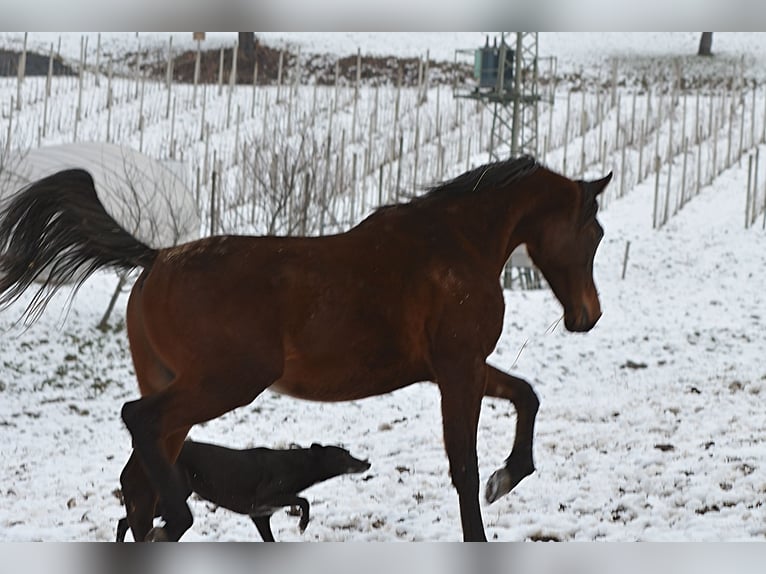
x=138, y=494
x=140, y=499
x=153, y=419
x=519, y=463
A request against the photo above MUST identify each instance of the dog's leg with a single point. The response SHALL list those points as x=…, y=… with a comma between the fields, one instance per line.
x=122, y=528
x=263, y=524
x=303, y=504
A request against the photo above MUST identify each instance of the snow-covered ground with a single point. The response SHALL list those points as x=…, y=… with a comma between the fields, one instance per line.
x=652, y=426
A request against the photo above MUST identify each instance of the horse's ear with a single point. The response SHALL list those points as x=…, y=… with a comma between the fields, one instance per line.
x=315, y=446
x=599, y=185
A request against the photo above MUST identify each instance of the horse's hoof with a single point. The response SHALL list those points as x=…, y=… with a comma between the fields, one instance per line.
x=156, y=534
x=502, y=482
x=498, y=485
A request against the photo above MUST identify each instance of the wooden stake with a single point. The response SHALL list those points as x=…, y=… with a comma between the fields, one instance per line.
x=220, y=73
x=655, y=221
x=755, y=185
x=196, y=72
x=169, y=78
x=98, y=61
x=625, y=259
x=21, y=72
x=748, y=194
x=232, y=83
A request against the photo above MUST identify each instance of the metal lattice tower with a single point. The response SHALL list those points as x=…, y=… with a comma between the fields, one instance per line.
x=526, y=106
x=506, y=79
x=509, y=86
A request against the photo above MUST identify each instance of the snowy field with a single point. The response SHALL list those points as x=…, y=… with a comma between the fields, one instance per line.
x=652, y=426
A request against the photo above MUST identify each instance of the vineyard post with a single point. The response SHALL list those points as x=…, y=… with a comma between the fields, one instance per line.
x=699, y=162
x=682, y=199
x=21, y=72
x=583, y=131
x=748, y=192
x=731, y=130
x=354, y=191
x=741, y=133
x=655, y=221
x=255, y=82
x=600, y=120
x=197, y=58
x=10, y=128
x=622, y=169
x=279, y=75
x=49, y=79
x=232, y=84
x=714, y=143
x=633, y=120
x=752, y=121
x=763, y=128
x=220, y=72
x=169, y=77
x=78, y=112
x=754, y=212
x=399, y=166
x=48, y=82
x=212, y=199
x=173, y=130
x=666, y=214
x=617, y=124
x=566, y=132
x=641, y=142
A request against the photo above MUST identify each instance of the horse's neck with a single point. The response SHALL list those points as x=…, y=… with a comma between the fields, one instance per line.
x=498, y=222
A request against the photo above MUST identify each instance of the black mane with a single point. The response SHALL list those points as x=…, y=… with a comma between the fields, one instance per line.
x=494, y=174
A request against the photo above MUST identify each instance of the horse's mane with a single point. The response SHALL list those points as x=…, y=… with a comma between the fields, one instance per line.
x=493, y=174
x=488, y=175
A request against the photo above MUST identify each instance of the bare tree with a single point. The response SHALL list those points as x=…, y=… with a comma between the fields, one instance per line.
x=288, y=186
x=706, y=44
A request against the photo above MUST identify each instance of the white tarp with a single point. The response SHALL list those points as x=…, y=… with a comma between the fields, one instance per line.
x=148, y=198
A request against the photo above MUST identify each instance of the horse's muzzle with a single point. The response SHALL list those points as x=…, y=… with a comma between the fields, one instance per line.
x=582, y=322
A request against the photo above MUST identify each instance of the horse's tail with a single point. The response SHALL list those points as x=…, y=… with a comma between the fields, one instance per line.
x=58, y=227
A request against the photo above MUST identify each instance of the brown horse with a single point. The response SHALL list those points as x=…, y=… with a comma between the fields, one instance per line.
x=410, y=294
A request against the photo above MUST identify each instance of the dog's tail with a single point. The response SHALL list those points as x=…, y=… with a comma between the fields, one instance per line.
x=58, y=225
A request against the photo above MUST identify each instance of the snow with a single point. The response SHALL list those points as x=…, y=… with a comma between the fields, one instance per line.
x=651, y=426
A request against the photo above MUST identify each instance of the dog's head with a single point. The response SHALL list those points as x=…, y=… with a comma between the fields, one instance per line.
x=338, y=459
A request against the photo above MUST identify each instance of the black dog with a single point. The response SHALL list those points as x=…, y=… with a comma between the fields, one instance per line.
x=258, y=481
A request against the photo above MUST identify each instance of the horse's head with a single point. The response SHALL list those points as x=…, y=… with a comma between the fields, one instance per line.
x=563, y=247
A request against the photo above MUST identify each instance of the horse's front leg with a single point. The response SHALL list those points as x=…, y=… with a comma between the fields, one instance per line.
x=519, y=463
x=462, y=389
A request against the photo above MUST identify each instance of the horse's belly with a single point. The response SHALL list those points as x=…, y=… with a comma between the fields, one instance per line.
x=331, y=385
